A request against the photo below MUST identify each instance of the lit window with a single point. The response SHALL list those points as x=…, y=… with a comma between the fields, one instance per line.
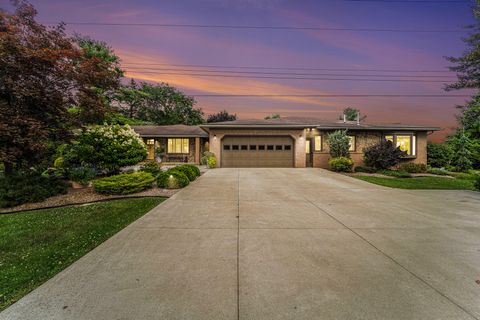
x=307, y=146
x=406, y=142
x=178, y=146
x=351, y=143
x=150, y=141
x=318, y=143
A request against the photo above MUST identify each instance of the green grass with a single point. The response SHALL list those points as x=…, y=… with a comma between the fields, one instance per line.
x=36, y=245
x=421, y=183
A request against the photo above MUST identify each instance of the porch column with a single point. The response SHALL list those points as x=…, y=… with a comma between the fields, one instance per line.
x=197, y=150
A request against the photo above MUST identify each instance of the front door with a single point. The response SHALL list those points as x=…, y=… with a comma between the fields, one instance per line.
x=308, y=151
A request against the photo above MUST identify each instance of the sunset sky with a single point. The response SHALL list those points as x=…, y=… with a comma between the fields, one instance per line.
x=153, y=53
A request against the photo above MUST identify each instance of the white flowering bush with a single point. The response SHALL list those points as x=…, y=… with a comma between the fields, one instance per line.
x=107, y=147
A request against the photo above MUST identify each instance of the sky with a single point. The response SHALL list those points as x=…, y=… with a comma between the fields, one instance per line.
x=224, y=61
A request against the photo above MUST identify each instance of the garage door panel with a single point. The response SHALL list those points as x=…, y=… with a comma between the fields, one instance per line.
x=267, y=152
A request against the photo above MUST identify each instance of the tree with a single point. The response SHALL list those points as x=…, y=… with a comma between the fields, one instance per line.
x=383, y=155
x=467, y=66
x=439, y=155
x=221, y=116
x=160, y=104
x=47, y=84
x=273, y=116
x=461, y=145
x=339, y=144
x=469, y=118
x=351, y=114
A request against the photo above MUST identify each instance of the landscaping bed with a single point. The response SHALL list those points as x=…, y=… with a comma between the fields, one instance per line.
x=36, y=245
x=86, y=195
x=445, y=183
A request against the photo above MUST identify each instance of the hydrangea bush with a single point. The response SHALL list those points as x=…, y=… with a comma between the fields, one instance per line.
x=107, y=147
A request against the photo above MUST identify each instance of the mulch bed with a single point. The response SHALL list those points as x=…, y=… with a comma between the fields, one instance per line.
x=86, y=195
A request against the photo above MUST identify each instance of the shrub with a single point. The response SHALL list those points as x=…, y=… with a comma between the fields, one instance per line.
x=151, y=167
x=365, y=169
x=396, y=173
x=194, y=168
x=206, y=155
x=82, y=175
x=124, y=183
x=172, y=179
x=191, y=171
x=107, y=147
x=339, y=144
x=341, y=164
x=477, y=183
x=465, y=176
x=438, y=171
x=439, y=154
x=461, y=143
x=382, y=155
x=411, y=167
x=59, y=162
x=21, y=188
x=212, y=162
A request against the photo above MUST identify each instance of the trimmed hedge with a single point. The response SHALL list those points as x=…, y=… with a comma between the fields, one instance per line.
x=341, y=164
x=413, y=167
x=172, y=179
x=193, y=167
x=365, y=169
x=124, y=183
x=477, y=183
x=21, y=188
x=151, y=167
x=188, y=171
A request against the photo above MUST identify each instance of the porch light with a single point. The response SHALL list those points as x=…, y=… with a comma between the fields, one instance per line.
x=214, y=136
x=171, y=177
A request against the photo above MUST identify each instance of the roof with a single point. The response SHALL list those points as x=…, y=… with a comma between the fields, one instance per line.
x=300, y=123
x=177, y=130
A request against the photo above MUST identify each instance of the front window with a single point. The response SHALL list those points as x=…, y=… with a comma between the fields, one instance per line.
x=307, y=146
x=318, y=143
x=178, y=146
x=351, y=143
x=406, y=142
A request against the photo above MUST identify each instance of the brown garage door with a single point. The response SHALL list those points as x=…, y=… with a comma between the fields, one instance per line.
x=251, y=152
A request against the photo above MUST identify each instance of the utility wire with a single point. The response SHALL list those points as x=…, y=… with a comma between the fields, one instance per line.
x=285, y=78
x=281, y=68
x=333, y=95
x=138, y=69
x=257, y=27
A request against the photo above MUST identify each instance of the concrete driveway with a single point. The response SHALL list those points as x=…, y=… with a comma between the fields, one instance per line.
x=279, y=244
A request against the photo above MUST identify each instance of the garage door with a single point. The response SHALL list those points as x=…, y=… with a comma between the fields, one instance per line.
x=251, y=152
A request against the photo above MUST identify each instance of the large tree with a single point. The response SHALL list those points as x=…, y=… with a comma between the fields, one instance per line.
x=160, y=104
x=45, y=78
x=221, y=116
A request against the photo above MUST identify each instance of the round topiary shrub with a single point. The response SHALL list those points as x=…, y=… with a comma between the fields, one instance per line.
x=172, y=179
x=188, y=171
x=194, y=168
x=341, y=164
x=124, y=183
x=151, y=167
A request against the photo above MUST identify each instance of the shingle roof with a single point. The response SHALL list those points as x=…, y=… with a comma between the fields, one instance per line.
x=317, y=123
x=178, y=130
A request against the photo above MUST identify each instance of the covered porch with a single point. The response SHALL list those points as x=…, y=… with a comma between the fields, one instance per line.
x=174, y=144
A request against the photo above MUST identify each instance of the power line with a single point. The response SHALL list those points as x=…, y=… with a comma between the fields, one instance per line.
x=283, y=68
x=257, y=27
x=333, y=95
x=411, y=1
x=286, y=78
x=286, y=73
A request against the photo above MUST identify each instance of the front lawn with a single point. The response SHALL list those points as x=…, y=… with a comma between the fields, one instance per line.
x=421, y=182
x=36, y=245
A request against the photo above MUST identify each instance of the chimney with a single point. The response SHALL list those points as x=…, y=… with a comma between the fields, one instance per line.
x=358, y=118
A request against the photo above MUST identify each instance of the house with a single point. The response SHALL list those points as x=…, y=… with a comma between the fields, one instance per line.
x=286, y=142
x=175, y=143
